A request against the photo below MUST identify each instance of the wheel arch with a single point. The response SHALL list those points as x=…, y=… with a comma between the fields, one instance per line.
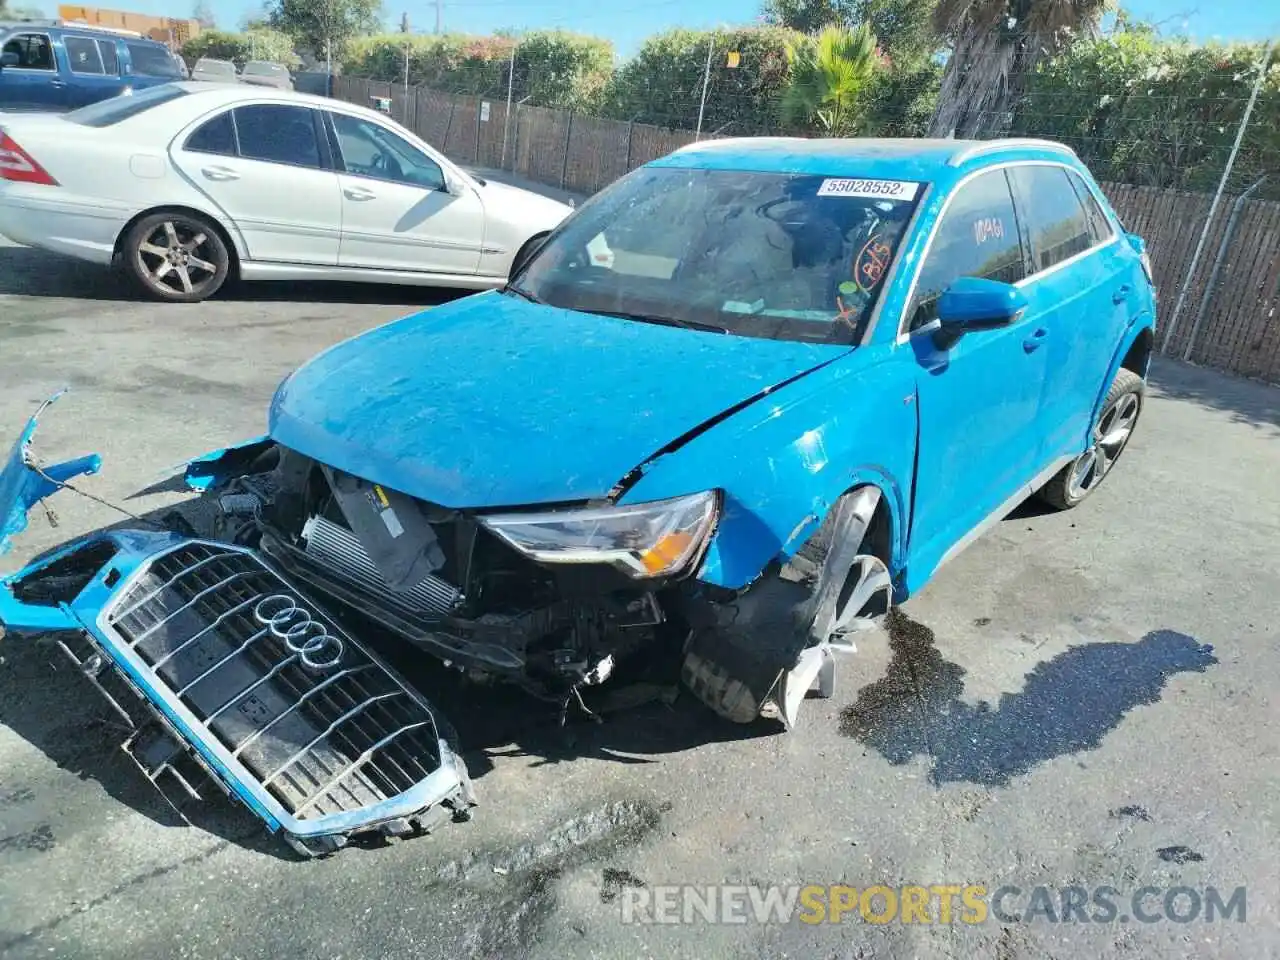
x=1134, y=353
x=228, y=239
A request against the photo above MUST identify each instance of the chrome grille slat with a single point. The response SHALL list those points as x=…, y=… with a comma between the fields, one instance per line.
x=316, y=740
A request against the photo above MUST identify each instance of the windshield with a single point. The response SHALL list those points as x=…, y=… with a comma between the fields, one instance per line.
x=104, y=113
x=260, y=69
x=781, y=256
x=221, y=68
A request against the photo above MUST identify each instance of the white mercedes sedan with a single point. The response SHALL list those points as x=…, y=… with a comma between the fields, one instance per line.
x=187, y=184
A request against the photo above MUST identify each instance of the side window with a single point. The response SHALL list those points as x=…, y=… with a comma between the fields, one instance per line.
x=371, y=150
x=1052, y=216
x=33, y=49
x=110, y=60
x=1100, y=229
x=83, y=55
x=152, y=60
x=978, y=237
x=278, y=134
x=217, y=135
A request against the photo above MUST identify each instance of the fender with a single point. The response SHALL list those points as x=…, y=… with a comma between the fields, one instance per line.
x=784, y=462
x=1137, y=325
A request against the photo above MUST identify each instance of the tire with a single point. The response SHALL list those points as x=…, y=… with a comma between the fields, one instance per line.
x=176, y=257
x=525, y=252
x=1120, y=411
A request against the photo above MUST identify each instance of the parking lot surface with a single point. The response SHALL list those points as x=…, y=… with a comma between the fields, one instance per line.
x=1080, y=699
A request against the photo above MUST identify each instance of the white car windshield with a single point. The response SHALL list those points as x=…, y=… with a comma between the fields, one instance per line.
x=775, y=255
x=259, y=69
x=220, y=68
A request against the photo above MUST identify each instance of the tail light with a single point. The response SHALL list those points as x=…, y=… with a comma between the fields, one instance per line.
x=18, y=166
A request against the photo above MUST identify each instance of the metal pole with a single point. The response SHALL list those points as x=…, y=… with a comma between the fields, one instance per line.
x=564, y=167
x=406, y=82
x=506, y=118
x=1217, y=197
x=438, y=4
x=1217, y=265
x=706, y=79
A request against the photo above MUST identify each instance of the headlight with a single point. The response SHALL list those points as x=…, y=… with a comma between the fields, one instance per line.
x=642, y=539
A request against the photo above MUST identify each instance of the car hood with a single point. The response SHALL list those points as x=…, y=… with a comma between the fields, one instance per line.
x=505, y=198
x=493, y=401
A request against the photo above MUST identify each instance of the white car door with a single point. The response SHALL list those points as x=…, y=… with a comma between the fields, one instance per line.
x=396, y=213
x=264, y=167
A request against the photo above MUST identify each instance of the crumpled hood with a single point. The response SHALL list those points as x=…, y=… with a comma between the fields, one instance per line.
x=493, y=401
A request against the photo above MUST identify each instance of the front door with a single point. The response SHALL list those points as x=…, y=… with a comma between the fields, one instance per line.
x=978, y=398
x=33, y=83
x=396, y=211
x=262, y=165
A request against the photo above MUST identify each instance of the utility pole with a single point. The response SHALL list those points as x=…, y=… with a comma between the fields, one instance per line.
x=438, y=11
x=506, y=117
x=706, y=79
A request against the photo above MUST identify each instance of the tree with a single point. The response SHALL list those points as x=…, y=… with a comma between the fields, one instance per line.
x=325, y=27
x=904, y=28
x=20, y=12
x=240, y=48
x=203, y=15
x=830, y=77
x=995, y=45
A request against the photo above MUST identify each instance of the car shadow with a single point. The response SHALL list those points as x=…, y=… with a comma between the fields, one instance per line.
x=27, y=272
x=1067, y=705
x=1249, y=402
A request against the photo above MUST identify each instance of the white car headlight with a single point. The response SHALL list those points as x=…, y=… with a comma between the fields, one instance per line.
x=642, y=540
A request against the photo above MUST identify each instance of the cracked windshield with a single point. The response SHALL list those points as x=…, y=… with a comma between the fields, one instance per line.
x=777, y=256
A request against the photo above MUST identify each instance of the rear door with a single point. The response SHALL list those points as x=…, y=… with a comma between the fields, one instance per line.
x=268, y=168
x=94, y=69
x=34, y=83
x=396, y=212
x=1076, y=284
x=978, y=399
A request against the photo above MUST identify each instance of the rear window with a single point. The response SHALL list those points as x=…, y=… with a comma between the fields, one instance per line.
x=259, y=69
x=218, y=68
x=104, y=113
x=153, y=61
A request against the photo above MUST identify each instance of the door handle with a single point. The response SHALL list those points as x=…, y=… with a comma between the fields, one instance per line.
x=1036, y=340
x=359, y=193
x=58, y=83
x=1121, y=295
x=219, y=173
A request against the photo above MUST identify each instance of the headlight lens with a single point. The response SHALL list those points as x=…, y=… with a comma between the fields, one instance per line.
x=642, y=540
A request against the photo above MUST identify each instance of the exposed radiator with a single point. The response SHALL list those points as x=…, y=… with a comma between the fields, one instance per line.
x=338, y=549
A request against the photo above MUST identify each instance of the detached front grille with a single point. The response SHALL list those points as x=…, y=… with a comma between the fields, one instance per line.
x=289, y=696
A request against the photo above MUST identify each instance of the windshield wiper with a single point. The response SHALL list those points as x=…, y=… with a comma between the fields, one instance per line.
x=664, y=321
x=522, y=294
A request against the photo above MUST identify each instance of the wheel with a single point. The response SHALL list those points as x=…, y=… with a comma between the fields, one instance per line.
x=178, y=257
x=1118, y=417
x=779, y=636
x=524, y=253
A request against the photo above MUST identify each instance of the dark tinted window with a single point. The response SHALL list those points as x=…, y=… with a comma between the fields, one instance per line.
x=978, y=237
x=1099, y=226
x=104, y=113
x=83, y=55
x=1052, y=216
x=214, y=136
x=152, y=61
x=371, y=150
x=278, y=134
x=33, y=49
x=110, y=61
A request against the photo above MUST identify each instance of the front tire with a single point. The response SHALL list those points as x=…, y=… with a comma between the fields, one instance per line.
x=176, y=257
x=1119, y=415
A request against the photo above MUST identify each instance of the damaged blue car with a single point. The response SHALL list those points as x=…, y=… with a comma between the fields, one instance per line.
x=733, y=408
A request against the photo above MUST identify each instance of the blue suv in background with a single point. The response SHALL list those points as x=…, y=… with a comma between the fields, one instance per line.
x=53, y=66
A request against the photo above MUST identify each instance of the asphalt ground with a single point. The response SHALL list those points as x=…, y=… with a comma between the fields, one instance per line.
x=1081, y=699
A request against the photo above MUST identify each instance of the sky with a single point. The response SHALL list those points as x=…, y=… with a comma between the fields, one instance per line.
x=628, y=22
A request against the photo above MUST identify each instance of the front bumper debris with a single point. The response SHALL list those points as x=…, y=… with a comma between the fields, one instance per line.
x=221, y=668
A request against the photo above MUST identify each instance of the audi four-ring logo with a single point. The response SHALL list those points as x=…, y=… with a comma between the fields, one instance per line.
x=311, y=640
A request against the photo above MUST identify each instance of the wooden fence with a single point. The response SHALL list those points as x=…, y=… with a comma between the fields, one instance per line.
x=1237, y=331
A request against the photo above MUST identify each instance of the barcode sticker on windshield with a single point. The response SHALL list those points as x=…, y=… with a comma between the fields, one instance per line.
x=879, y=189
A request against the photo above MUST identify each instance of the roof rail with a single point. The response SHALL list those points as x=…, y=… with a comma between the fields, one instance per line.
x=1009, y=143
x=85, y=25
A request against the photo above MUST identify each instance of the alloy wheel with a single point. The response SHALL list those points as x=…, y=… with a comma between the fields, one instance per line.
x=1112, y=432
x=177, y=258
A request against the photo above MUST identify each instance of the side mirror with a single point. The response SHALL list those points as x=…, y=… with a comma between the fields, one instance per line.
x=9, y=59
x=972, y=304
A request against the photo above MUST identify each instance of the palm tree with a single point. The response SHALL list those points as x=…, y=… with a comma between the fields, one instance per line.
x=995, y=44
x=830, y=74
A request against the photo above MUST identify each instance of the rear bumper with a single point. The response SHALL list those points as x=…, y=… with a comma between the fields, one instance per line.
x=47, y=218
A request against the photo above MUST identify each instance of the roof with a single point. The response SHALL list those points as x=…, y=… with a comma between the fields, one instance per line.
x=216, y=94
x=903, y=158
